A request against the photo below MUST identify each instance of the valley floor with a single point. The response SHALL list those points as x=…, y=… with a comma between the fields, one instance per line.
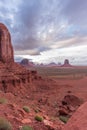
x=43, y=97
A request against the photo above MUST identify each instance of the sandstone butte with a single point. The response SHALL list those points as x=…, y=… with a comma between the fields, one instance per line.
x=11, y=73
x=79, y=119
x=66, y=63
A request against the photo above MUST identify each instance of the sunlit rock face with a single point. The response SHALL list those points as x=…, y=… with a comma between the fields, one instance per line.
x=6, y=50
x=12, y=75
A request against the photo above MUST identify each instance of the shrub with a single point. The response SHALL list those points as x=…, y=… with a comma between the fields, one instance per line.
x=26, y=127
x=36, y=110
x=3, y=101
x=64, y=118
x=39, y=118
x=26, y=109
x=4, y=124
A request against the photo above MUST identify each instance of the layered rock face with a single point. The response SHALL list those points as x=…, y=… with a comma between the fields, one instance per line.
x=6, y=50
x=11, y=73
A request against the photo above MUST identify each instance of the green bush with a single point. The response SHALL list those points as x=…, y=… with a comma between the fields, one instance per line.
x=26, y=127
x=64, y=118
x=3, y=101
x=36, y=110
x=4, y=124
x=26, y=109
x=39, y=118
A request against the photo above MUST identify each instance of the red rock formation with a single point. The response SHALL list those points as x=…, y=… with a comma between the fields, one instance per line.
x=66, y=63
x=11, y=73
x=69, y=105
x=6, y=50
x=25, y=62
x=79, y=120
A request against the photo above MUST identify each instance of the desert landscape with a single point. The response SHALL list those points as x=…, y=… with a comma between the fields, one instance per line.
x=43, y=65
x=37, y=97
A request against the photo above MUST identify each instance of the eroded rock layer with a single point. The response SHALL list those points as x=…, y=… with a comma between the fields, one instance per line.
x=11, y=73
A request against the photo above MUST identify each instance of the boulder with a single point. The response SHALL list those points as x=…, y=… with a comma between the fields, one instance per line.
x=71, y=100
x=69, y=105
x=79, y=119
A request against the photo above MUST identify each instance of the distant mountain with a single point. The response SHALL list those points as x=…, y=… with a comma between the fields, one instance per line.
x=66, y=63
x=26, y=62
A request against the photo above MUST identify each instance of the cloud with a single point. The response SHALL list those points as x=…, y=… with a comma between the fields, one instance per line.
x=75, y=11
x=42, y=25
x=76, y=55
x=27, y=52
x=70, y=42
x=34, y=22
x=28, y=34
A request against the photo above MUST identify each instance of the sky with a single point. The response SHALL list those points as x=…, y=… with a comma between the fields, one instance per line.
x=47, y=30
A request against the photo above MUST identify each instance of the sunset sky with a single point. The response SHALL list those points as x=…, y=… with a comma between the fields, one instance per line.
x=47, y=30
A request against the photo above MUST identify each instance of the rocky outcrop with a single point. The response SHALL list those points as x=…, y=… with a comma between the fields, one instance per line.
x=11, y=73
x=71, y=100
x=26, y=62
x=79, y=120
x=66, y=63
x=6, y=50
x=69, y=105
